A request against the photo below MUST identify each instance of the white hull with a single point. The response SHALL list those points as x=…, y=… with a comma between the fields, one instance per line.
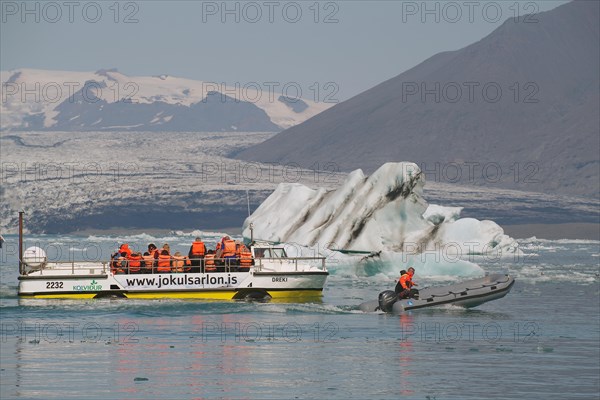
x=224, y=285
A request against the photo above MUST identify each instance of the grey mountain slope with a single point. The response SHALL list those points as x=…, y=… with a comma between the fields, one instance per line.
x=542, y=135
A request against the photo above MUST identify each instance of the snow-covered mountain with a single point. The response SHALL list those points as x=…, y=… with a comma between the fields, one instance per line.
x=109, y=100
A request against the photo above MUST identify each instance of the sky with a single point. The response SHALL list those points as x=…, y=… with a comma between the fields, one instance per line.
x=331, y=50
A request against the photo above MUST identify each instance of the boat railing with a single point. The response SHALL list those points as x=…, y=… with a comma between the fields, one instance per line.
x=260, y=262
x=207, y=265
x=176, y=265
x=127, y=266
x=75, y=267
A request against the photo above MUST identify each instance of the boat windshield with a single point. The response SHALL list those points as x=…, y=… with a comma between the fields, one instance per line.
x=269, y=253
x=278, y=253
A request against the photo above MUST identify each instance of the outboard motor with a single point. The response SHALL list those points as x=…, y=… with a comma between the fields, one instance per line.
x=387, y=299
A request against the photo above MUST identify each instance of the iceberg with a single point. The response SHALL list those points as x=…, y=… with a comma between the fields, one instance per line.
x=384, y=213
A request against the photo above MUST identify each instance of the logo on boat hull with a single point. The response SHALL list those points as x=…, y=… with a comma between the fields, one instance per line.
x=93, y=286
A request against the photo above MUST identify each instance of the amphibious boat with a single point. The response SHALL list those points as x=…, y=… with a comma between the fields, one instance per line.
x=272, y=274
x=468, y=294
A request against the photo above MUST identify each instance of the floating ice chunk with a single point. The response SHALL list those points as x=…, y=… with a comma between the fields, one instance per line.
x=471, y=236
x=437, y=214
x=382, y=212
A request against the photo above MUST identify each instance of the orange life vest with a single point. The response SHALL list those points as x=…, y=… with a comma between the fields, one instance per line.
x=149, y=261
x=135, y=262
x=209, y=263
x=198, y=249
x=406, y=281
x=178, y=263
x=125, y=249
x=245, y=258
x=228, y=248
x=164, y=263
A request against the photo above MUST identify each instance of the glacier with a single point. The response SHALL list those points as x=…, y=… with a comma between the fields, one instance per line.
x=108, y=100
x=66, y=182
x=381, y=217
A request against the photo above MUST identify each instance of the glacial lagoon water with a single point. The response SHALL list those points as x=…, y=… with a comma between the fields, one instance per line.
x=541, y=341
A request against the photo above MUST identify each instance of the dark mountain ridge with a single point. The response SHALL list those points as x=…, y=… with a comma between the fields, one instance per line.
x=518, y=109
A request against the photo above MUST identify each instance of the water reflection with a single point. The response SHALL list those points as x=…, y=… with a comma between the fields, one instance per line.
x=406, y=356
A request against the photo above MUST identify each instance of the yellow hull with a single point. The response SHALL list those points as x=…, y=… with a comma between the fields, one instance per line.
x=207, y=295
x=59, y=296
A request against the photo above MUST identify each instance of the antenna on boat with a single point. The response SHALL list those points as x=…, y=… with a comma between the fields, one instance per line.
x=21, y=213
x=248, y=200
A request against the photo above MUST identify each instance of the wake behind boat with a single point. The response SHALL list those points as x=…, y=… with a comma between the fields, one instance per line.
x=468, y=294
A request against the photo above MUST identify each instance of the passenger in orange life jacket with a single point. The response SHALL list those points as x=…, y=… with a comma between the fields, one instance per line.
x=148, y=262
x=153, y=252
x=152, y=249
x=196, y=255
x=209, y=261
x=159, y=252
x=246, y=260
x=404, y=287
x=218, y=249
x=228, y=248
x=225, y=253
x=239, y=249
x=179, y=262
x=134, y=263
x=163, y=261
x=125, y=249
x=116, y=263
x=122, y=262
